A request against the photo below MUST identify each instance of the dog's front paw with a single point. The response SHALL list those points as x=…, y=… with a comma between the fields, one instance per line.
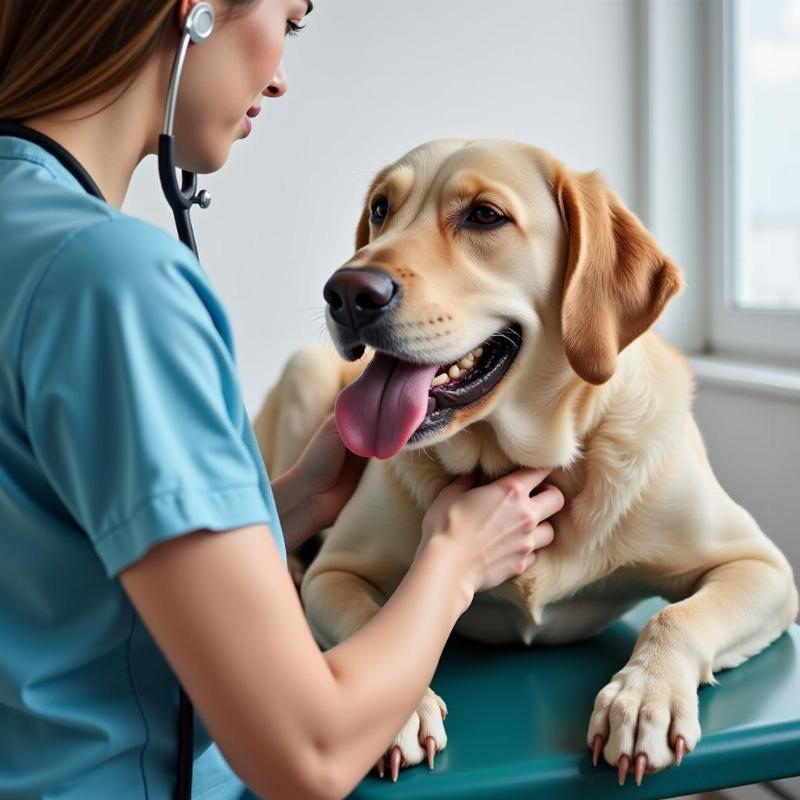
x=421, y=737
x=645, y=720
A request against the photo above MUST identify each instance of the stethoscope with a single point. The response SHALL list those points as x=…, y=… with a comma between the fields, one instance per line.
x=197, y=28
x=181, y=197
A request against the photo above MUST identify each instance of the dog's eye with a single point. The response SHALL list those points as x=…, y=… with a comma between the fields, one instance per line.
x=485, y=215
x=379, y=209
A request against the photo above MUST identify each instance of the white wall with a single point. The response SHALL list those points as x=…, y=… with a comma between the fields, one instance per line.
x=369, y=80
x=753, y=441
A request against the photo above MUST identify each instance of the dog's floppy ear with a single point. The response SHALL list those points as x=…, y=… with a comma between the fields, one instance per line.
x=362, y=229
x=617, y=280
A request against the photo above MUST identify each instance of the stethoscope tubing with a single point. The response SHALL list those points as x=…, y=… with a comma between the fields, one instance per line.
x=181, y=197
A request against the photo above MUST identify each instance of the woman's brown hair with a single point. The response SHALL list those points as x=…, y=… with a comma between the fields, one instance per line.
x=54, y=54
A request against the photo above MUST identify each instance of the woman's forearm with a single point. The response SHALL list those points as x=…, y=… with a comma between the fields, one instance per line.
x=389, y=663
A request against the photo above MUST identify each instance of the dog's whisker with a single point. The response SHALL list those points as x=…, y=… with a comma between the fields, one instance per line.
x=501, y=335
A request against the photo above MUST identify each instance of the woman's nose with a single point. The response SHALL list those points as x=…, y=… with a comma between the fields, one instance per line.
x=278, y=85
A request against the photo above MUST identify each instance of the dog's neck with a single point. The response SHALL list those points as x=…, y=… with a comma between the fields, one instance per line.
x=561, y=423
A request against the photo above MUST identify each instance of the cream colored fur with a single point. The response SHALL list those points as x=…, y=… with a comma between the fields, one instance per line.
x=593, y=392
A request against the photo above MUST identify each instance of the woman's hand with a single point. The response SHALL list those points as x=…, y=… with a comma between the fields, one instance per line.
x=311, y=495
x=329, y=472
x=496, y=528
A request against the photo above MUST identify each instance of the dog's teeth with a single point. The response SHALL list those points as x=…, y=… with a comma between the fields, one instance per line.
x=454, y=371
x=477, y=352
x=440, y=379
x=467, y=362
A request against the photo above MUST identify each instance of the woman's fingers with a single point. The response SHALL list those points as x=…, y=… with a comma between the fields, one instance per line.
x=464, y=482
x=529, y=478
x=543, y=535
x=548, y=501
x=524, y=479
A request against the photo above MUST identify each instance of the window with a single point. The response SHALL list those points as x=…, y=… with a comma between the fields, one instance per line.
x=768, y=97
x=755, y=103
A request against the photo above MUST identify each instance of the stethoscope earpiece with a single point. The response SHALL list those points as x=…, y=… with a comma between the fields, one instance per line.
x=199, y=22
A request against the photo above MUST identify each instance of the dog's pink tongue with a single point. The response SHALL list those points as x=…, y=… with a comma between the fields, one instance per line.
x=377, y=414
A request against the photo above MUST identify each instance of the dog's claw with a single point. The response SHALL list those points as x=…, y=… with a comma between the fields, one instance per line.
x=394, y=761
x=623, y=765
x=430, y=749
x=641, y=766
x=597, y=747
x=381, y=765
x=680, y=749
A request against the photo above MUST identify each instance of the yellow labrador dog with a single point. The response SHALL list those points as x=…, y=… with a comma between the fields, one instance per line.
x=507, y=304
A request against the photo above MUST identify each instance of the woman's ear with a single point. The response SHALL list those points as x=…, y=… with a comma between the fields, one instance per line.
x=617, y=279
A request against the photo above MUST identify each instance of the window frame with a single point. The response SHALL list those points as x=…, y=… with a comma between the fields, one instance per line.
x=769, y=335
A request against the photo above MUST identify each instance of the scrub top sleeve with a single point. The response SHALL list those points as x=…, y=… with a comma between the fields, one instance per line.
x=132, y=400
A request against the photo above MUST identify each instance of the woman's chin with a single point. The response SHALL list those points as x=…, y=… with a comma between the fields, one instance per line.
x=207, y=163
x=210, y=153
x=204, y=160
x=218, y=162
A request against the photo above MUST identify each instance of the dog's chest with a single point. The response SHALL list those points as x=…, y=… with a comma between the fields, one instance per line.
x=502, y=616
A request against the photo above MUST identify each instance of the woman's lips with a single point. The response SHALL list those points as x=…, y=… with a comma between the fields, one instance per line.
x=251, y=113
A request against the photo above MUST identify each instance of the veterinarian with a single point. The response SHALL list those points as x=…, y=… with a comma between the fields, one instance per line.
x=142, y=546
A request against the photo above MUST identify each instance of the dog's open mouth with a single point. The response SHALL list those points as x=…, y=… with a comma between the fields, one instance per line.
x=395, y=402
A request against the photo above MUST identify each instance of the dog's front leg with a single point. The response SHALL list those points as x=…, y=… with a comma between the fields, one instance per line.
x=647, y=716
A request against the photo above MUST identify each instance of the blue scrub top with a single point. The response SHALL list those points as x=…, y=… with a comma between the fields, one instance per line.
x=122, y=425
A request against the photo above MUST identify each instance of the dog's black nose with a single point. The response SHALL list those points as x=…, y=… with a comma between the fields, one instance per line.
x=357, y=296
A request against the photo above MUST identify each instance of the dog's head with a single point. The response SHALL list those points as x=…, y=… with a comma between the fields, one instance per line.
x=478, y=262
